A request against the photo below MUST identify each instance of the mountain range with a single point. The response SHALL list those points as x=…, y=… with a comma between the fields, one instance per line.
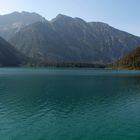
x=65, y=39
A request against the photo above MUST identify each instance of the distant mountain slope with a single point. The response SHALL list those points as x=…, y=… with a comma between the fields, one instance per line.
x=11, y=23
x=130, y=61
x=9, y=56
x=66, y=39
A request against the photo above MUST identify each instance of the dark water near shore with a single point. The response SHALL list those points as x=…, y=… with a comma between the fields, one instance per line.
x=69, y=104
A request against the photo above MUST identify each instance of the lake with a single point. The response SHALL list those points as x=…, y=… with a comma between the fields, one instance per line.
x=69, y=104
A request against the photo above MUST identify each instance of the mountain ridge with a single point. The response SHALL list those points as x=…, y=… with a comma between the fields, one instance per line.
x=67, y=39
x=13, y=22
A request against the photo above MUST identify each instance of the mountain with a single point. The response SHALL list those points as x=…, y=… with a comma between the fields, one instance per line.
x=9, y=56
x=130, y=61
x=66, y=39
x=12, y=23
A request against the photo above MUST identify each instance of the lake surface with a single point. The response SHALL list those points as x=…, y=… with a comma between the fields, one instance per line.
x=69, y=104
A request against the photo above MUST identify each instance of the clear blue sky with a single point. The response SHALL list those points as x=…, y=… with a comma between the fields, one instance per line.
x=122, y=14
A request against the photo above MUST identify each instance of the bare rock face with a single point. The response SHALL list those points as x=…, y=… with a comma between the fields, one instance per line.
x=12, y=23
x=67, y=39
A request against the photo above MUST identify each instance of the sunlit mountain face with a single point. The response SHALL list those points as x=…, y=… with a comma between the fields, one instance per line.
x=130, y=61
x=12, y=23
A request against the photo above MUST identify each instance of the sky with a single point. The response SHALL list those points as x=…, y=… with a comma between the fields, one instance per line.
x=121, y=14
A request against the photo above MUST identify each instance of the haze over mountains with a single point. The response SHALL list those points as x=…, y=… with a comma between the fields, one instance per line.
x=65, y=39
x=12, y=23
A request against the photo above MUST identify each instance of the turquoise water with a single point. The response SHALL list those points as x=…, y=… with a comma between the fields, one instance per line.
x=69, y=104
